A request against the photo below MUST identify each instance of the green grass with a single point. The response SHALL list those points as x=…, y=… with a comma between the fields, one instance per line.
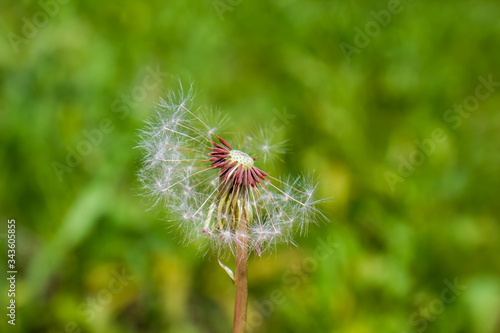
x=351, y=120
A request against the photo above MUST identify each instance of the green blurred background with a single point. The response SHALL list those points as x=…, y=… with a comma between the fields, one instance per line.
x=67, y=68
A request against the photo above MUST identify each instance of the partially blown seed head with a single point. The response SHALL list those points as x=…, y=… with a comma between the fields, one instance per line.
x=215, y=191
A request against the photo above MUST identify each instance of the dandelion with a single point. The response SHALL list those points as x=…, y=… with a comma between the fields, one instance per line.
x=215, y=189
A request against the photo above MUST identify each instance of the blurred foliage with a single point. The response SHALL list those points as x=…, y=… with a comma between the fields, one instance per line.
x=351, y=121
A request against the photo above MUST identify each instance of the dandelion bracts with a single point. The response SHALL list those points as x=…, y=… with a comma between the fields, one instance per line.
x=214, y=186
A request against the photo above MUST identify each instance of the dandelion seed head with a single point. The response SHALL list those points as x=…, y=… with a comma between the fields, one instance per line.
x=215, y=187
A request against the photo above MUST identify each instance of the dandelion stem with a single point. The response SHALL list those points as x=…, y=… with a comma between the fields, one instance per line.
x=241, y=280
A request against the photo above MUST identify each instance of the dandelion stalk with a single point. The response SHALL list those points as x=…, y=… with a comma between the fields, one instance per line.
x=241, y=282
x=217, y=193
